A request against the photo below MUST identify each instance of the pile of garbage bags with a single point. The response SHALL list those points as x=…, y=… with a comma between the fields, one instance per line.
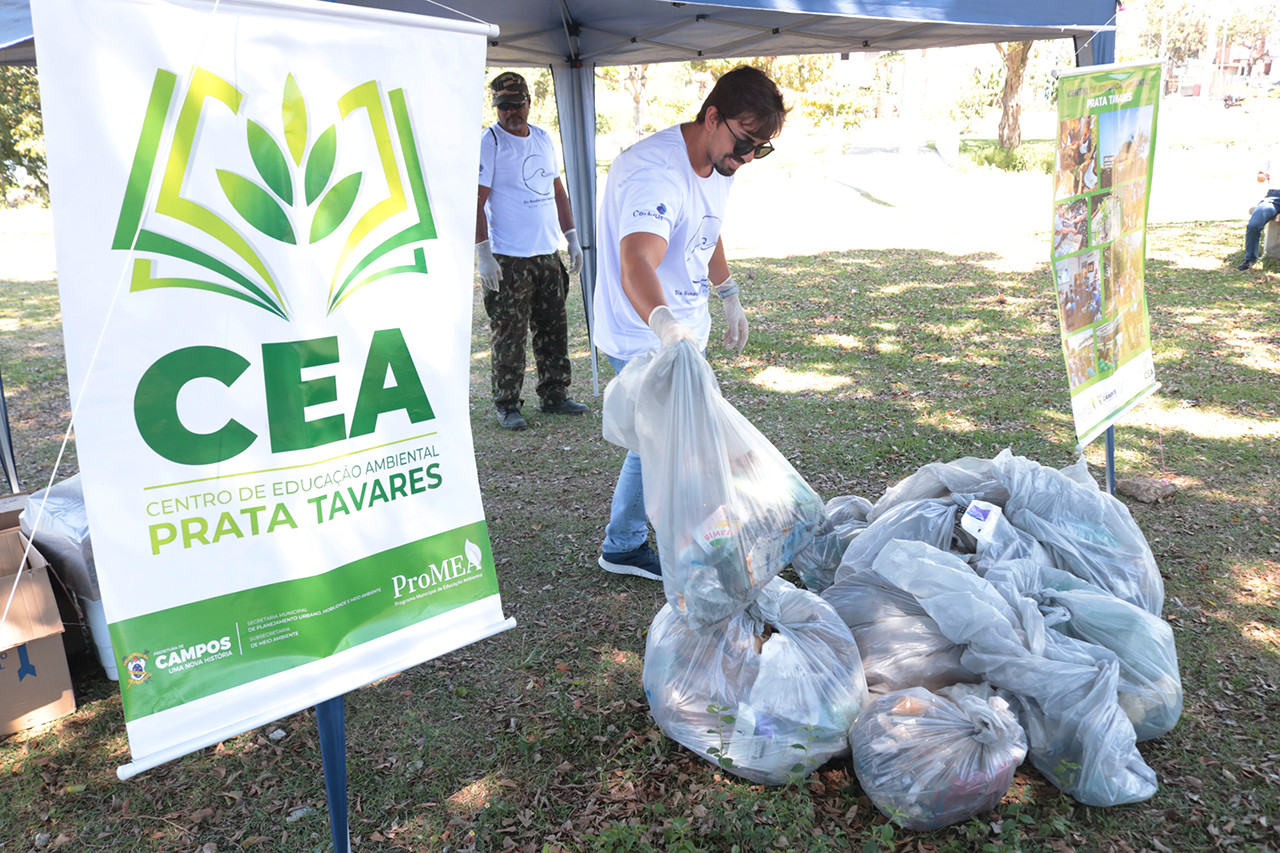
x=979, y=613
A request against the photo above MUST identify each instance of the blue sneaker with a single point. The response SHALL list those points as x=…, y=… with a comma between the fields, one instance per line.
x=639, y=562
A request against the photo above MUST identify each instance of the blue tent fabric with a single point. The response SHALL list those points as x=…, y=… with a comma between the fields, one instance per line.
x=1027, y=14
x=16, y=45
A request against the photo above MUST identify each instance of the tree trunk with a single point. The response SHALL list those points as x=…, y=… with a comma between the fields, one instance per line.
x=1015, y=55
x=636, y=80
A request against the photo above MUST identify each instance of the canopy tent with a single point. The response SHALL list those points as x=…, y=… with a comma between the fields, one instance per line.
x=573, y=37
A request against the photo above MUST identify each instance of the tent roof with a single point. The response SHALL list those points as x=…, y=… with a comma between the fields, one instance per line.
x=16, y=45
x=632, y=32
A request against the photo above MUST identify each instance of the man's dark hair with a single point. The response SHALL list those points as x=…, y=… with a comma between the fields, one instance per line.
x=747, y=93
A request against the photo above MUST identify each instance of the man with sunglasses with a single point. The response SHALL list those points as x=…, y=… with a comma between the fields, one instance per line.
x=661, y=256
x=521, y=211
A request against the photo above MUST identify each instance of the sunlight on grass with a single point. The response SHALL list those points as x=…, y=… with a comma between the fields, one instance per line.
x=1205, y=423
x=948, y=421
x=469, y=800
x=1254, y=349
x=791, y=381
x=841, y=341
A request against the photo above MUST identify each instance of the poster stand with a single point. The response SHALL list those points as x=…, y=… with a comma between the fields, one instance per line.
x=1111, y=461
x=6, y=445
x=331, y=721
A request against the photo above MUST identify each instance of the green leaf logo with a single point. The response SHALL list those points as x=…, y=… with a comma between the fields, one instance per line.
x=259, y=216
x=257, y=207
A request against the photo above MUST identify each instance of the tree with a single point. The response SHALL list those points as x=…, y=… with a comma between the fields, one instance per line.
x=22, y=163
x=635, y=81
x=1014, y=54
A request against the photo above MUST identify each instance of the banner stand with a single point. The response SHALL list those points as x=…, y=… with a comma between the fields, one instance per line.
x=331, y=721
x=1111, y=461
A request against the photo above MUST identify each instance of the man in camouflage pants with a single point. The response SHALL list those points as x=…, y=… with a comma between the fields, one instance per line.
x=521, y=210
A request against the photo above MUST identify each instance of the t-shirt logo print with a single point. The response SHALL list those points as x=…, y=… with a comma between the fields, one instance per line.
x=537, y=174
x=295, y=194
x=703, y=243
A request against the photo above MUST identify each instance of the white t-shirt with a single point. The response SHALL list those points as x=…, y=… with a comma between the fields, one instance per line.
x=520, y=172
x=652, y=188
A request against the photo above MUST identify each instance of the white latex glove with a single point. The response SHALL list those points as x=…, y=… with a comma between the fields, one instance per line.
x=575, y=251
x=487, y=266
x=668, y=328
x=735, y=319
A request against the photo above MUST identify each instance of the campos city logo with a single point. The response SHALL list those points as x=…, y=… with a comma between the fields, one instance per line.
x=135, y=666
x=297, y=196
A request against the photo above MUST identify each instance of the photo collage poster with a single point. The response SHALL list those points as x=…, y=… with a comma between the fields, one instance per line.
x=1102, y=180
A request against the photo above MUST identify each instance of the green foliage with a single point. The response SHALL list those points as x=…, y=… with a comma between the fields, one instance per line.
x=796, y=73
x=724, y=720
x=982, y=93
x=837, y=105
x=1180, y=30
x=1027, y=157
x=22, y=158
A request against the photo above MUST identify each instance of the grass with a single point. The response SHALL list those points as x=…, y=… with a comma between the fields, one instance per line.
x=863, y=365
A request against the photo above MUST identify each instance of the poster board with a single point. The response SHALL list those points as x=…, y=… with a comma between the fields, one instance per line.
x=264, y=216
x=1102, y=182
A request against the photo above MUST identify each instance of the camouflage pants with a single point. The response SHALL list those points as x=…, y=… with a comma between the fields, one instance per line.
x=530, y=299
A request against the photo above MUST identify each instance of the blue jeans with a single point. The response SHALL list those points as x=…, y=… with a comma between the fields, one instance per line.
x=628, y=526
x=1262, y=214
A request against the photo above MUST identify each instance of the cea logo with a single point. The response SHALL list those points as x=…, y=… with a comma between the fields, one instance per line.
x=286, y=395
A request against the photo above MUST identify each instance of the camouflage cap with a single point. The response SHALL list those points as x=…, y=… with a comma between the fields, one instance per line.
x=509, y=86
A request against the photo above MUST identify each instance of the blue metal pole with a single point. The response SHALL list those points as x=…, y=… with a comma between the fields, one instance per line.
x=1111, y=460
x=331, y=720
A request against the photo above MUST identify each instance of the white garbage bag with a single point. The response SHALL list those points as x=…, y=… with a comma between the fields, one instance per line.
x=816, y=563
x=729, y=511
x=1150, y=688
x=931, y=520
x=1065, y=690
x=1088, y=532
x=961, y=482
x=929, y=760
x=768, y=695
x=900, y=644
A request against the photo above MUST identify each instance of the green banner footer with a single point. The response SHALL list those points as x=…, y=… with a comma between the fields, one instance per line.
x=184, y=653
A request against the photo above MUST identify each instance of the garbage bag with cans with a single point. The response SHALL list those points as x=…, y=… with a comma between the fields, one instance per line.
x=728, y=510
x=768, y=694
x=931, y=759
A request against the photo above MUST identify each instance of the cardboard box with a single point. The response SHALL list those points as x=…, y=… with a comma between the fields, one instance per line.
x=35, y=685
x=11, y=507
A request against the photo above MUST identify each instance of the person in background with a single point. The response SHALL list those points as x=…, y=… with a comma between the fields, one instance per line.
x=1265, y=211
x=661, y=256
x=521, y=211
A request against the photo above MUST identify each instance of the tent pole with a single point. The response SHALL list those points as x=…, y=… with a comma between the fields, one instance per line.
x=6, y=445
x=331, y=721
x=576, y=106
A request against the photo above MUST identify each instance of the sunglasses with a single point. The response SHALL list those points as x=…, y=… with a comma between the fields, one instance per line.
x=742, y=146
x=508, y=106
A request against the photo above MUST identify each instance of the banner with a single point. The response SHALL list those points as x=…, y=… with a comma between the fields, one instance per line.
x=1106, y=143
x=264, y=215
